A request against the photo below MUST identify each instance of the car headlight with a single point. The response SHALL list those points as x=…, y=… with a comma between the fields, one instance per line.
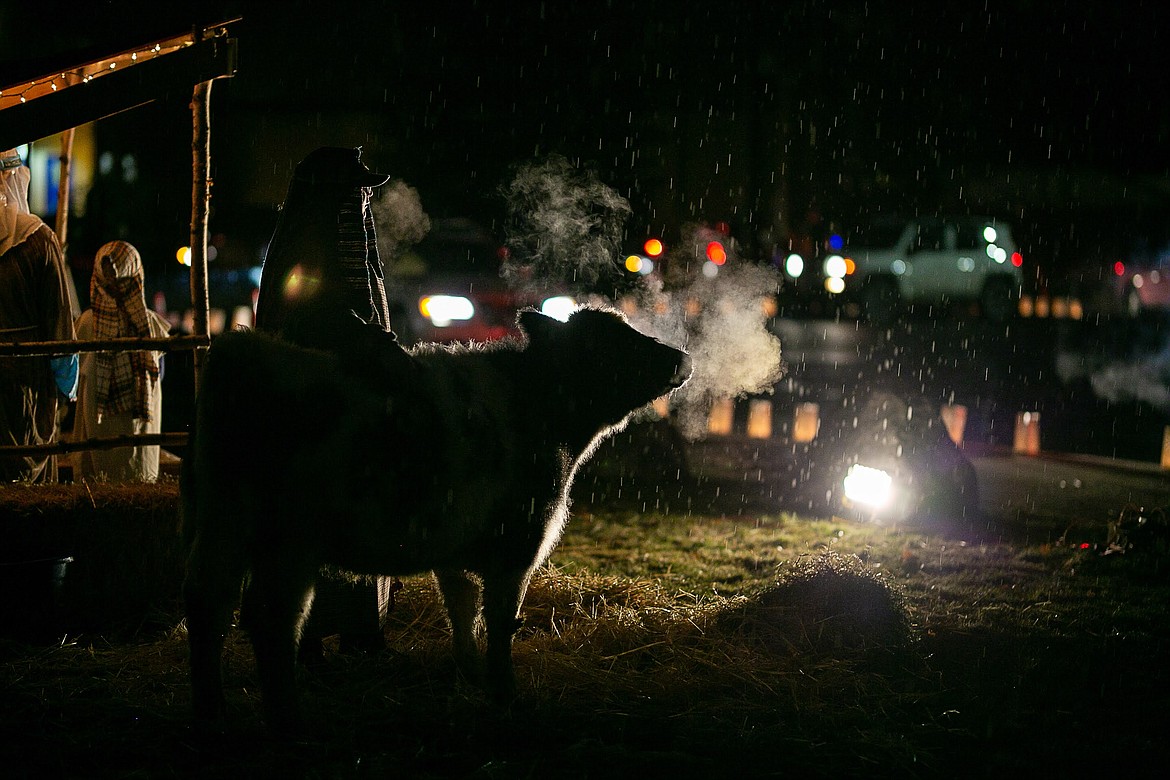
x=442, y=310
x=558, y=307
x=835, y=267
x=867, y=485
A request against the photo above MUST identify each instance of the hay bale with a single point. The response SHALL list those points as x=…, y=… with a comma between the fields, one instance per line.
x=124, y=540
x=827, y=604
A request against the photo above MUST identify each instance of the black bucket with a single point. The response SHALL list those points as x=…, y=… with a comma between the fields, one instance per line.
x=31, y=604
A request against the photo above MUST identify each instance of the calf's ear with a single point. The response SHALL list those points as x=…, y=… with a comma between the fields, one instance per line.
x=537, y=326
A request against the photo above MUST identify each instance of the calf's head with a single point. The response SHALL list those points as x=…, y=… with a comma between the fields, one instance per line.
x=600, y=365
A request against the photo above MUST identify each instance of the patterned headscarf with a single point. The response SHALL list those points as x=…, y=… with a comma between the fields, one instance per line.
x=16, y=222
x=124, y=381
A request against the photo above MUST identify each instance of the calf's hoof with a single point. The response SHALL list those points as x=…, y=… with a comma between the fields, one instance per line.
x=311, y=653
x=285, y=723
x=501, y=690
x=208, y=709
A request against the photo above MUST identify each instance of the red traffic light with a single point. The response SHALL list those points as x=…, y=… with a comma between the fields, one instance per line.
x=653, y=247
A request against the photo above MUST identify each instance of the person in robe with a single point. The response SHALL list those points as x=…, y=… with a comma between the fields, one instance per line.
x=34, y=306
x=323, y=286
x=322, y=266
x=119, y=393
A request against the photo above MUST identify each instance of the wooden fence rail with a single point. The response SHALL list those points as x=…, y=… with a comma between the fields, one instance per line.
x=45, y=348
x=98, y=443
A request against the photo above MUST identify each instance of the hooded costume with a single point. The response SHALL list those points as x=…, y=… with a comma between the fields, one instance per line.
x=323, y=287
x=34, y=306
x=322, y=265
x=120, y=393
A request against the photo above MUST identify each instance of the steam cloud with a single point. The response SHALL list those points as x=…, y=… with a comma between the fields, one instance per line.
x=564, y=226
x=721, y=323
x=399, y=216
x=1142, y=379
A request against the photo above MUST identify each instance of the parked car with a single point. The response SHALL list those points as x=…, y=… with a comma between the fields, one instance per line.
x=1141, y=283
x=891, y=261
x=448, y=288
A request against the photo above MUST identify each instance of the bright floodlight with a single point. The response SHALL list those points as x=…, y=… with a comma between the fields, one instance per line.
x=558, y=307
x=442, y=310
x=794, y=265
x=866, y=485
x=989, y=234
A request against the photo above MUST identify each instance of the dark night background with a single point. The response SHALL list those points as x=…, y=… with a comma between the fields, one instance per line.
x=781, y=119
x=755, y=113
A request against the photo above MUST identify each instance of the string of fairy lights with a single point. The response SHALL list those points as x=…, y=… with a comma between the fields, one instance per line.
x=31, y=90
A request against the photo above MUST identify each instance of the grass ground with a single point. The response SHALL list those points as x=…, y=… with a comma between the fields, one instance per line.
x=679, y=632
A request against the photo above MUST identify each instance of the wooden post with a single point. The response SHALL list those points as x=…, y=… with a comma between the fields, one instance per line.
x=200, y=198
x=66, y=160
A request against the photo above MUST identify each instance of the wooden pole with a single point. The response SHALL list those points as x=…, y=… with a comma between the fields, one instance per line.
x=66, y=159
x=200, y=198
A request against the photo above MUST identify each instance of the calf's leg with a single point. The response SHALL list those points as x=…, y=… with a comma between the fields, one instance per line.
x=211, y=591
x=503, y=593
x=460, y=591
x=276, y=605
